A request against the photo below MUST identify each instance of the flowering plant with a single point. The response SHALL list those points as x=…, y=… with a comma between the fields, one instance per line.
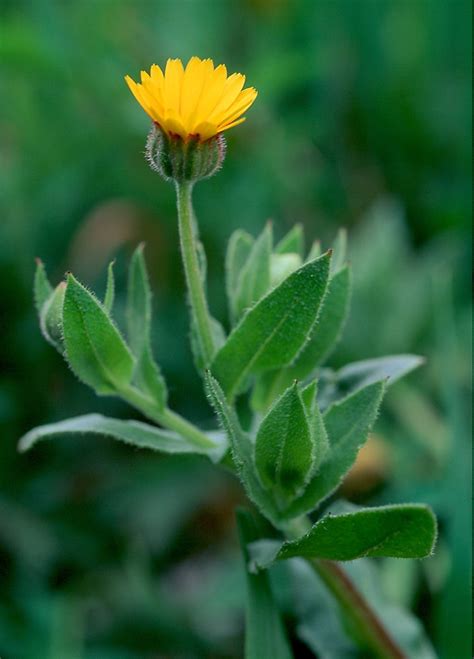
x=287, y=310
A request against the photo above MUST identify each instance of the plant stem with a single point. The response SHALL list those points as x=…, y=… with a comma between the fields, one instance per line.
x=370, y=628
x=367, y=625
x=192, y=270
x=167, y=418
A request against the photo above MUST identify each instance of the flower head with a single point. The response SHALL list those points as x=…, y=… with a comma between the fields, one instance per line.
x=198, y=101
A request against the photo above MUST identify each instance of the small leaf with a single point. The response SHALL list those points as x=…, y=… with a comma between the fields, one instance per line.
x=314, y=252
x=238, y=250
x=147, y=375
x=94, y=347
x=339, y=251
x=399, y=531
x=254, y=278
x=292, y=242
x=110, y=288
x=241, y=448
x=51, y=318
x=42, y=288
x=282, y=265
x=264, y=631
x=347, y=425
x=284, y=447
x=272, y=333
x=135, y=433
x=391, y=368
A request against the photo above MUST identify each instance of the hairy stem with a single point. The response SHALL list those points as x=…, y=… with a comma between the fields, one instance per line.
x=192, y=271
x=364, y=620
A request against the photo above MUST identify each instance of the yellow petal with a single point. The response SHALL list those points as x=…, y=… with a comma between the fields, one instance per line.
x=241, y=105
x=173, y=124
x=137, y=91
x=232, y=87
x=205, y=130
x=194, y=79
x=231, y=125
x=172, y=87
x=211, y=95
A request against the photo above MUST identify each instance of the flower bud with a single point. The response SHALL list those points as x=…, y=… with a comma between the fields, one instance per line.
x=184, y=160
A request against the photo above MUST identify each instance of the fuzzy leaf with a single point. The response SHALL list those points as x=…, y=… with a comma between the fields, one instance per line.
x=238, y=250
x=241, y=448
x=339, y=251
x=94, y=347
x=110, y=288
x=324, y=336
x=399, y=531
x=136, y=433
x=264, y=631
x=391, y=367
x=292, y=242
x=51, y=318
x=42, y=288
x=147, y=375
x=272, y=333
x=254, y=279
x=284, y=447
x=347, y=425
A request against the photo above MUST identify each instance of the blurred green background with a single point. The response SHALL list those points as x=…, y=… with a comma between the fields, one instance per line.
x=363, y=121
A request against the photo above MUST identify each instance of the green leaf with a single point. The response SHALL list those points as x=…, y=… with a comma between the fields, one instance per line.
x=42, y=288
x=347, y=425
x=391, y=368
x=254, y=279
x=272, y=333
x=147, y=375
x=94, y=347
x=110, y=288
x=241, y=448
x=324, y=336
x=238, y=250
x=292, y=242
x=51, y=317
x=399, y=531
x=339, y=251
x=135, y=433
x=264, y=631
x=284, y=447
x=314, y=252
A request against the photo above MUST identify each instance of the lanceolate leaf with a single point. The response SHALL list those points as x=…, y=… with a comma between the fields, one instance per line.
x=284, y=447
x=136, y=433
x=272, y=333
x=293, y=242
x=147, y=375
x=42, y=287
x=51, y=317
x=238, y=250
x=347, y=425
x=391, y=367
x=400, y=531
x=254, y=278
x=94, y=348
x=241, y=448
x=264, y=632
x=110, y=288
x=324, y=336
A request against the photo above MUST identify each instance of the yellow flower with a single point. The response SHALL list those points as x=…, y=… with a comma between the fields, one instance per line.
x=197, y=101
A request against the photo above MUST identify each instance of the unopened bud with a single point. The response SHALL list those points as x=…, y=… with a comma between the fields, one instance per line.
x=184, y=160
